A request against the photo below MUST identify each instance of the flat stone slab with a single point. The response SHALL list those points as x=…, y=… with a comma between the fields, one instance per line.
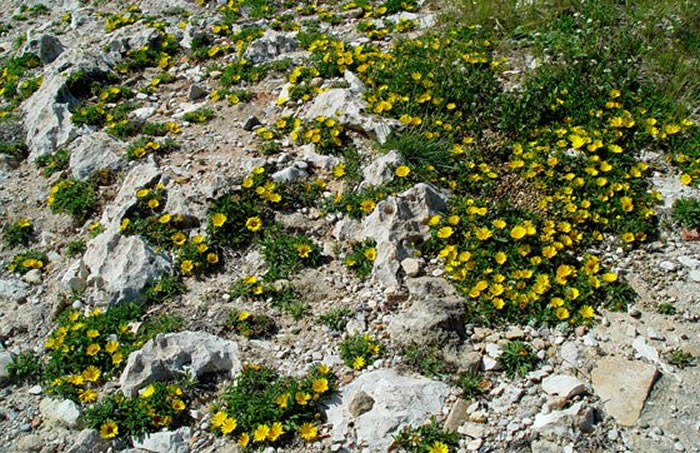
x=623, y=386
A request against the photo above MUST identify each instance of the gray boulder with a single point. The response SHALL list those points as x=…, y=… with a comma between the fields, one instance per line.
x=60, y=412
x=121, y=266
x=271, y=45
x=94, y=152
x=165, y=441
x=383, y=402
x=13, y=290
x=172, y=355
x=88, y=441
x=5, y=361
x=381, y=170
x=47, y=119
x=436, y=313
x=350, y=109
x=396, y=223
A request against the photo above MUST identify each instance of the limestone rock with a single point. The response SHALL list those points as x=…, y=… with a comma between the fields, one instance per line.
x=47, y=119
x=13, y=290
x=93, y=152
x=270, y=46
x=398, y=401
x=5, y=361
x=88, y=441
x=396, y=223
x=436, y=313
x=349, y=108
x=165, y=441
x=122, y=266
x=623, y=386
x=171, y=355
x=60, y=412
x=139, y=176
x=563, y=385
x=381, y=170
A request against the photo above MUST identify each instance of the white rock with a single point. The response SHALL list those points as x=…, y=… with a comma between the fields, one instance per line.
x=563, y=385
x=172, y=355
x=350, y=109
x=88, y=441
x=668, y=266
x=694, y=275
x=5, y=360
x=165, y=441
x=122, y=266
x=398, y=401
x=271, y=45
x=395, y=224
x=60, y=412
x=93, y=152
x=381, y=170
x=411, y=267
x=33, y=277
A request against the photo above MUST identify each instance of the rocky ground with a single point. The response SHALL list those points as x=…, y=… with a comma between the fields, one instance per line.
x=607, y=387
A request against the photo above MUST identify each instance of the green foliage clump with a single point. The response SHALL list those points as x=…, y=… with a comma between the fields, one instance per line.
x=286, y=254
x=20, y=232
x=428, y=360
x=73, y=197
x=286, y=298
x=251, y=325
x=25, y=367
x=199, y=116
x=159, y=405
x=263, y=408
x=26, y=261
x=145, y=146
x=430, y=437
x=517, y=359
x=238, y=218
x=76, y=248
x=53, y=162
x=679, y=358
x=336, y=318
x=358, y=350
x=361, y=260
x=686, y=211
x=17, y=150
x=471, y=383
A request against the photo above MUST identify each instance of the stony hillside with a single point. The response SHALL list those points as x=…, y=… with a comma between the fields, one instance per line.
x=268, y=225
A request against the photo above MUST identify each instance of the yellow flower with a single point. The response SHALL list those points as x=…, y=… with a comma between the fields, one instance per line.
x=178, y=239
x=303, y=250
x=218, y=219
x=438, y=447
x=308, y=432
x=243, y=316
x=124, y=225
x=402, y=171
x=261, y=433
x=92, y=333
x=434, y=220
x=367, y=206
x=302, y=398
x=178, y=405
x=187, y=266
x=483, y=233
x=586, y=311
x=218, y=419
x=143, y=193
x=24, y=222
x=148, y=392
x=244, y=440
x=628, y=237
x=87, y=396
x=165, y=218
x=276, y=431
x=250, y=280
x=499, y=223
x=93, y=349
x=254, y=224
x=320, y=385
x=453, y=220
x=282, y=400
x=358, y=363
x=518, y=232
x=212, y=258
x=323, y=369
x=117, y=358
x=91, y=373
x=109, y=430
x=197, y=239
x=371, y=253
x=445, y=232
x=686, y=179
x=228, y=425
x=562, y=313
x=153, y=203
x=609, y=277
x=572, y=294
x=201, y=248
x=500, y=257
